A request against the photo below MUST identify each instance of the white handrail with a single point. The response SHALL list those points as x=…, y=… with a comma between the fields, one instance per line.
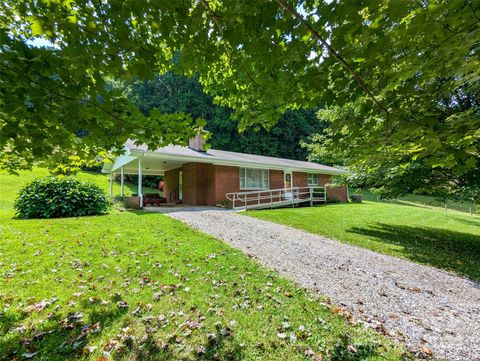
x=277, y=197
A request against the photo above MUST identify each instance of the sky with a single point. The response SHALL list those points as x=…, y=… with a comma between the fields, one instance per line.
x=39, y=42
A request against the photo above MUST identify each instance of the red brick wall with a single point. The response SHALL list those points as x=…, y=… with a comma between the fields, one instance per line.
x=276, y=179
x=300, y=179
x=324, y=179
x=170, y=179
x=340, y=192
x=202, y=170
x=211, y=182
x=207, y=184
x=227, y=179
x=196, y=183
x=189, y=179
x=200, y=183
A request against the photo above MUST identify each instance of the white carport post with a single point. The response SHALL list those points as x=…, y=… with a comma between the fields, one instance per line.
x=111, y=184
x=122, y=193
x=140, y=195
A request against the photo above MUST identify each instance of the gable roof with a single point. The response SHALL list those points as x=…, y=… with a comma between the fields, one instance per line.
x=222, y=157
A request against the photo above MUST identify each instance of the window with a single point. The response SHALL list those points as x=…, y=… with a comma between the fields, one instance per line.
x=312, y=179
x=251, y=178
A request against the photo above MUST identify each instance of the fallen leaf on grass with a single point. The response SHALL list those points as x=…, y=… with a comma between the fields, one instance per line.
x=352, y=348
x=29, y=355
x=122, y=304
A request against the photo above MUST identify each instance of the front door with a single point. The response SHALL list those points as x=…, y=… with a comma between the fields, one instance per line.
x=288, y=183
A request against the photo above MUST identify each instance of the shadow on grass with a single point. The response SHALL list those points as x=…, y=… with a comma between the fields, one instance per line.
x=8, y=320
x=474, y=221
x=446, y=249
x=347, y=350
x=63, y=338
x=217, y=346
x=222, y=344
x=173, y=209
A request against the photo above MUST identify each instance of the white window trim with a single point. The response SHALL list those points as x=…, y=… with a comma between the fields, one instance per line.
x=308, y=179
x=264, y=172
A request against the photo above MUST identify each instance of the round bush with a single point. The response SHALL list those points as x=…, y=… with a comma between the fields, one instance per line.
x=56, y=197
x=356, y=198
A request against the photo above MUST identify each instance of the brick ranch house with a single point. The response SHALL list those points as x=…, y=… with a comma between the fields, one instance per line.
x=198, y=177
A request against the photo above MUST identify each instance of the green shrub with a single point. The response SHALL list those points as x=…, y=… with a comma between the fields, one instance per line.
x=356, y=198
x=226, y=203
x=56, y=197
x=333, y=199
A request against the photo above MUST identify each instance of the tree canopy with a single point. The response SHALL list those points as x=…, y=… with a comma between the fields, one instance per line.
x=405, y=73
x=170, y=93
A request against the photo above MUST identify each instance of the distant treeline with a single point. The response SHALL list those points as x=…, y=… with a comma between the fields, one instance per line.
x=173, y=93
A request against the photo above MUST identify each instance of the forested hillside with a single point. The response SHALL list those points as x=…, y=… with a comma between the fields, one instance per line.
x=172, y=93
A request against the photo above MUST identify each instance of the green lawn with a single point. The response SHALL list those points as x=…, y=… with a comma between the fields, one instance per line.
x=139, y=286
x=423, y=201
x=450, y=241
x=11, y=184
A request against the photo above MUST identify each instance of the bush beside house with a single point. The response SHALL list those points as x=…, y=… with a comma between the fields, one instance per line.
x=57, y=197
x=356, y=198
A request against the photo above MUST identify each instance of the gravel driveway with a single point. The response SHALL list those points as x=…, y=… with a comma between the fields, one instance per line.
x=422, y=306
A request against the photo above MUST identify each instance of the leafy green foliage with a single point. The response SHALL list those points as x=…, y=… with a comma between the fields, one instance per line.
x=148, y=181
x=422, y=61
x=385, y=165
x=170, y=93
x=282, y=140
x=57, y=197
x=356, y=198
x=408, y=69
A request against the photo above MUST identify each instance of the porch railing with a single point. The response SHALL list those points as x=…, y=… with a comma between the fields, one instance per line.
x=281, y=197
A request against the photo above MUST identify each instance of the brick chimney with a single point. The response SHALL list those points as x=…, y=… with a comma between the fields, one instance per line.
x=198, y=141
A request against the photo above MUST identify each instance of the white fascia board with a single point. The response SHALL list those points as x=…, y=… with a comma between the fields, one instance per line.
x=231, y=163
x=276, y=167
x=179, y=158
x=144, y=172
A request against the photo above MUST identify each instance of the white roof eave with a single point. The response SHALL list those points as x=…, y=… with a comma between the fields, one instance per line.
x=119, y=162
x=235, y=163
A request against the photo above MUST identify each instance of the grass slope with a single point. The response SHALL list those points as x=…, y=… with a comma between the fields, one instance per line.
x=423, y=201
x=140, y=286
x=11, y=184
x=450, y=241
